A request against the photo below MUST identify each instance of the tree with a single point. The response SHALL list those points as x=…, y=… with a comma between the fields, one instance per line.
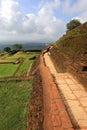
x=7, y=49
x=73, y=24
x=17, y=46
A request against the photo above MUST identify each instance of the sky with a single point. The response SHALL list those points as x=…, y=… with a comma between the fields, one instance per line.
x=38, y=20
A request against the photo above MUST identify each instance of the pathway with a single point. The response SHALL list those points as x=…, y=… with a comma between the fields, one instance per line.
x=55, y=114
x=73, y=95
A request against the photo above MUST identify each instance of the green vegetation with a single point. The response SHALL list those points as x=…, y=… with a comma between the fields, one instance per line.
x=7, y=70
x=14, y=104
x=73, y=24
x=16, y=56
x=7, y=49
x=74, y=42
x=24, y=68
x=22, y=54
x=15, y=94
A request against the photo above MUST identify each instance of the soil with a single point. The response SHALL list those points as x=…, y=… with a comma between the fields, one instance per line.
x=36, y=116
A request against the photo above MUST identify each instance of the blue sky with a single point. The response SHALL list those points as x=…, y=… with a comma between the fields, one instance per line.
x=38, y=20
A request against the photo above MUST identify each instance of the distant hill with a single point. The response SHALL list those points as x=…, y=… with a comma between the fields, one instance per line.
x=34, y=46
x=2, y=46
x=30, y=46
x=69, y=53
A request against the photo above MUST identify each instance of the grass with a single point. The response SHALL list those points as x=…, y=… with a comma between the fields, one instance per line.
x=24, y=67
x=14, y=95
x=23, y=54
x=14, y=104
x=74, y=43
x=7, y=70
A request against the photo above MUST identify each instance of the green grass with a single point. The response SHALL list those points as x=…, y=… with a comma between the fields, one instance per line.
x=24, y=67
x=73, y=42
x=14, y=95
x=24, y=55
x=7, y=70
x=14, y=104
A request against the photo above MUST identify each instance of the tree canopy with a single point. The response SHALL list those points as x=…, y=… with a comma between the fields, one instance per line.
x=73, y=24
x=7, y=49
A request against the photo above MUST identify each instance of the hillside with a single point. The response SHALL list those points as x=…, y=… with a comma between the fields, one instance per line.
x=69, y=53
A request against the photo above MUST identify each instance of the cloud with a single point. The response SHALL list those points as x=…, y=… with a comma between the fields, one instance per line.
x=78, y=9
x=10, y=15
x=70, y=7
x=83, y=16
x=10, y=10
x=43, y=25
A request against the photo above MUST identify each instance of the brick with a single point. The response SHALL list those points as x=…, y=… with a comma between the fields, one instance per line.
x=54, y=108
x=51, y=96
x=69, y=81
x=70, y=129
x=67, y=93
x=56, y=120
x=81, y=128
x=69, y=96
x=78, y=112
x=72, y=94
x=85, y=109
x=66, y=122
x=83, y=101
x=74, y=87
x=60, y=104
x=80, y=94
x=58, y=128
x=81, y=86
x=55, y=92
x=73, y=103
x=60, y=81
x=83, y=123
x=65, y=87
x=47, y=122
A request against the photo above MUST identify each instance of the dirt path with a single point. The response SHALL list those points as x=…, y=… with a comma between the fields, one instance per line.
x=73, y=95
